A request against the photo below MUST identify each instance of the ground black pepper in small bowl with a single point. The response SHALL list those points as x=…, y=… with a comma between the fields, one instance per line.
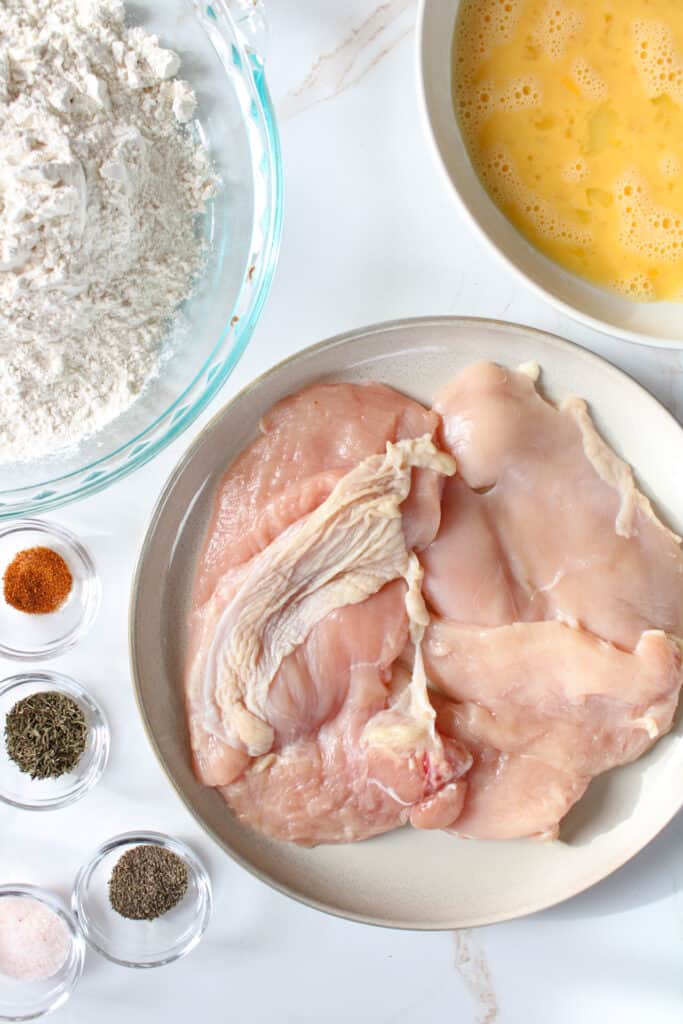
x=143, y=899
x=147, y=881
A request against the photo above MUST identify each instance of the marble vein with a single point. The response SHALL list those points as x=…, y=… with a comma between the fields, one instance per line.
x=350, y=61
x=472, y=966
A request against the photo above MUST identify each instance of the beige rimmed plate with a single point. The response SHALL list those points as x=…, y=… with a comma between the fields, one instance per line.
x=408, y=879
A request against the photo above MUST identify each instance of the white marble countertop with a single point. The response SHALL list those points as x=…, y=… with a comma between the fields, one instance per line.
x=371, y=234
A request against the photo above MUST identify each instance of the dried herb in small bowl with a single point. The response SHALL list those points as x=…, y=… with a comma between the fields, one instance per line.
x=46, y=734
x=147, y=881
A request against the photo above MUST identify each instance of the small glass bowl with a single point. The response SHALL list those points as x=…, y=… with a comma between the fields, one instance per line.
x=26, y=1000
x=24, y=636
x=140, y=943
x=18, y=788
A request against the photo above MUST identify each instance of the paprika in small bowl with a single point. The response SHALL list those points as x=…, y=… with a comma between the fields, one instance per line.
x=50, y=590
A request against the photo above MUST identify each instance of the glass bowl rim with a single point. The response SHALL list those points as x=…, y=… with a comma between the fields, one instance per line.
x=76, y=942
x=71, y=688
x=90, y=608
x=167, y=842
x=26, y=500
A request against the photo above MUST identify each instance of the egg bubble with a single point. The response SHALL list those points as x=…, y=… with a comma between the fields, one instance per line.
x=637, y=287
x=556, y=28
x=575, y=170
x=657, y=60
x=483, y=25
x=506, y=187
x=590, y=83
x=670, y=166
x=647, y=229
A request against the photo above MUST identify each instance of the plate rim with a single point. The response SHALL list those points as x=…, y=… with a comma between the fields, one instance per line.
x=381, y=327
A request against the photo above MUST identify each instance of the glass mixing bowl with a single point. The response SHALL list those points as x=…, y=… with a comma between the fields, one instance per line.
x=220, y=43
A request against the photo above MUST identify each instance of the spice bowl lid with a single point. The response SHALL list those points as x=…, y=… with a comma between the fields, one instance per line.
x=26, y=636
x=28, y=998
x=140, y=943
x=17, y=787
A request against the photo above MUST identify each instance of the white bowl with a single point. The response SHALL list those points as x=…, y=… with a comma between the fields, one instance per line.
x=649, y=323
x=406, y=878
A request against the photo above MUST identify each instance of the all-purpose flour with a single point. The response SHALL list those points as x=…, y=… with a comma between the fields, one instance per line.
x=100, y=187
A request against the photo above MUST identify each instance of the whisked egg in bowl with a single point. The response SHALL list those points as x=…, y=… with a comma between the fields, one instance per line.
x=560, y=128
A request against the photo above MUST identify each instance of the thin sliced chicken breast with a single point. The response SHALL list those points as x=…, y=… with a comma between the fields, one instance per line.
x=560, y=520
x=545, y=689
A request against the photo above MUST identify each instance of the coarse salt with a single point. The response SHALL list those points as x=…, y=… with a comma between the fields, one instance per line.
x=34, y=941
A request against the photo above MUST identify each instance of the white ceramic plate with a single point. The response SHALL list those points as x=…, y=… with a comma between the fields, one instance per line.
x=653, y=323
x=408, y=878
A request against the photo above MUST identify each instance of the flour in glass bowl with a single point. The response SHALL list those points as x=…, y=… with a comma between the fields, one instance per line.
x=101, y=184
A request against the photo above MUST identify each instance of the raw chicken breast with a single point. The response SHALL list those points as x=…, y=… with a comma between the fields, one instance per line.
x=546, y=689
x=508, y=796
x=327, y=780
x=560, y=522
x=515, y=798
x=296, y=644
x=543, y=529
x=468, y=577
x=341, y=553
x=308, y=442
x=543, y=708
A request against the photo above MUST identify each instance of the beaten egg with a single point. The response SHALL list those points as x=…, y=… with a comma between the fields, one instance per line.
x=573, y=117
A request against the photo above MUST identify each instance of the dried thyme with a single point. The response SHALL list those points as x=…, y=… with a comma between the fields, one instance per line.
x=45, y=735
x=147, y=882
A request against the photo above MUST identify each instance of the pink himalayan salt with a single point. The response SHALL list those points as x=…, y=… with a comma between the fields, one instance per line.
x=34, y=941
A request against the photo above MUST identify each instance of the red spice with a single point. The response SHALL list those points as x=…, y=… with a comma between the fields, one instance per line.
x=37, y=581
